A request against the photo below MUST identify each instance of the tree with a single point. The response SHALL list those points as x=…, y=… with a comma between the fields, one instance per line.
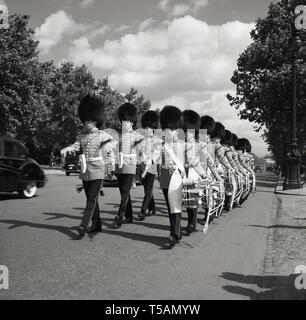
x=39, y=101
x=23, y=83
x=140, y=102
x=68, y=84
x=264, y=82
x=113, y=99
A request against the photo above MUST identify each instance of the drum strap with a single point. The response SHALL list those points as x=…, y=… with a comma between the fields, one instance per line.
x=186, y=158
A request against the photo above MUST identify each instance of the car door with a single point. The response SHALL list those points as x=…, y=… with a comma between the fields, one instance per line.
x=11, y=157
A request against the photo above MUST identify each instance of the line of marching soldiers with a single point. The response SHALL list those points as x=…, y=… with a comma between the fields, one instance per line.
x=201, y=166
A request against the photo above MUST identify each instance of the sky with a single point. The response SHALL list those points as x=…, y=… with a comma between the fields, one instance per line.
x=173, y=52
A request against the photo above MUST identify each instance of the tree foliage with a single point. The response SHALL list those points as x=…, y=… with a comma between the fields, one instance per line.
x=39, y=101
x=263, y=78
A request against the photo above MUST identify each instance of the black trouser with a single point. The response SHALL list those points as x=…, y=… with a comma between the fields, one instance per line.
x=92, y=211
x=192, y=214
x=174, y=218
x=125, y=182
x=148, y=201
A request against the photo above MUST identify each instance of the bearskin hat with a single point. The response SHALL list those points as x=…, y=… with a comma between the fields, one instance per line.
x=248, y=147
x=191, y=120
x=150, y=119
x=171, y=118
x=208, y=123
x=228, y=138
x=234, y=140
x=91, y=109
x=241, y=145
x=219, y=131
x=127, y=112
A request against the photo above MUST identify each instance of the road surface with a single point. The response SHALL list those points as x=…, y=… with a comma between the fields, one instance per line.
x=38, y=244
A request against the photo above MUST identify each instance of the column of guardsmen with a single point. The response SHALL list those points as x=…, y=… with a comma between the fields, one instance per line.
x=206, y=175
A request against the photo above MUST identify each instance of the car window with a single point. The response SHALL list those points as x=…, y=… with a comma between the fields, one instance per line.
x=14, y=150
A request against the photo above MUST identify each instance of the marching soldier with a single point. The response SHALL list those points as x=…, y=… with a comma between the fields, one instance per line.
x=241, y=148
x=192, y=121
x=150, y=122
x=173, y=167
x=91, y=143
x=126, y=169
x=208, y=159
x=224, y=166
x=233, y=181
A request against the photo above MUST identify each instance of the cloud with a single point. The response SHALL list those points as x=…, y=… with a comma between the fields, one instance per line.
x=175, y=9
x=87, y=3
x=123, y=28
x=145, y=24
x=186, y=55
x=59, y=25
x=51, y=32
x=185, y=62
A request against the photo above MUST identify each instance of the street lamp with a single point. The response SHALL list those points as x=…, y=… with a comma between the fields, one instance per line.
x=293, y=180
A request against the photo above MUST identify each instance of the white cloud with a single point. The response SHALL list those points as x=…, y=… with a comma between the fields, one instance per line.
x=175, y=9
x=59, y=25
x=145, y=24
x=98, y=31
x=123, y=28
x=87, y=3
x=185, y=62
x=53, y=29
x=186, y=55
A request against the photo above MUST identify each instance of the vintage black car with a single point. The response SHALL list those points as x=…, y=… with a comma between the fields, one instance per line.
x=72, y=164
x=18, y=172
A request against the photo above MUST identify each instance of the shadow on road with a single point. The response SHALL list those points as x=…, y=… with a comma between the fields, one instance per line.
x=269, y=287
x=161, y=242
x=278, y=226
x=68, y=231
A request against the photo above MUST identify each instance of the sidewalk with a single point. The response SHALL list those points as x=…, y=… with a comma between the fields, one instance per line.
x=52, y=171
x=286, y=246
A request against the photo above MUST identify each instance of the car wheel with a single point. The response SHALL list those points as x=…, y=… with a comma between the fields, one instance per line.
x=29, y=190
x=67, y=174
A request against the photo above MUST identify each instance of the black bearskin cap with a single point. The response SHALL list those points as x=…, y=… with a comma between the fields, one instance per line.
x=208, y=123
x=191, y=120
x=235, y=140
x=127, y=112
x=219, y=131
x=91, y=109
x=248, y=146
x=241, y=145
x=150, y=119
x=171, y=118
x=228, y=138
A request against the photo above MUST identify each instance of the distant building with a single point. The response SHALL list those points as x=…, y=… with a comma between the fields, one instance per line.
x=269, y=163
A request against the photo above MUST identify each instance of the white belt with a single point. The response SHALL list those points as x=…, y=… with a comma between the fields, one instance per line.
x=94, y=159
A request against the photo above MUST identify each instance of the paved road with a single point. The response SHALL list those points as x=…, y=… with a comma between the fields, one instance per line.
x=37, y=243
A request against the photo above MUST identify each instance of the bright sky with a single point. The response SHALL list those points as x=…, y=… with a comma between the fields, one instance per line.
x=172, y=51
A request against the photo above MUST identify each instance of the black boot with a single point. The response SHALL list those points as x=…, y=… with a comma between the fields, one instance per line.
x=177, y=227
x=118, y=221
x=227, y=205
x=81, y=231
x=142, y=215
x=190, y=219
x=95, y=227
x=194, y=220
x=172, y=219
x=151, y=212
